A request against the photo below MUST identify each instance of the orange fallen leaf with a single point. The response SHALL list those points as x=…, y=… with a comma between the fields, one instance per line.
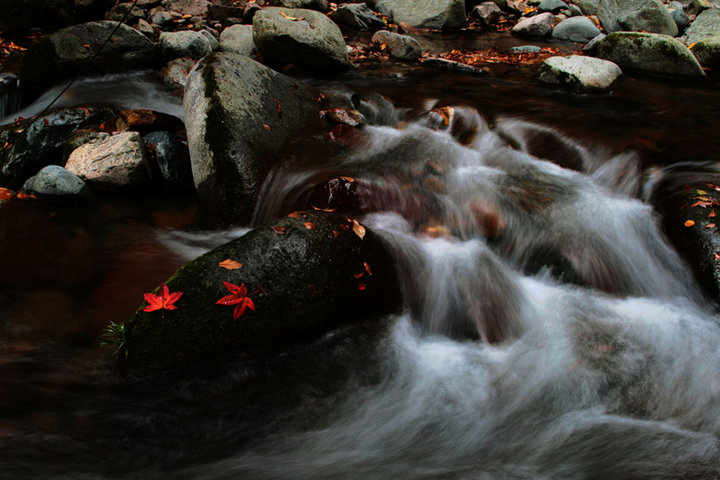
x=345, y=226
x=358, y=229
x=6, y=194
x=702, y=192
x=279, y=230
x=692, y=45
x=710, y=225
x=347, y=179
x=266, y=126
x=278, y=108
x=230, y=264
x=294, y=215
x=367, y=268
x=689, y=223
x=383, y=46
x=358, y=275
x=361, y=286
x=712, y=214
x=310, y=225
x=336, y=233
x=329, y=210
x=25, y=196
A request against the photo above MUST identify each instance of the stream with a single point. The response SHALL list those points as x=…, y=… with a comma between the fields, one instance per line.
x=597, y=356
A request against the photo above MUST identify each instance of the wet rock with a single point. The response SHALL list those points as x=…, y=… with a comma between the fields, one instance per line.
x=707, y=52
x=357, y=15
x=172, y=159
x=145, y=28
x=249, y=13
x=56, y=183
x=575, y=29
x=174, y=73
x=88, y=10
x=239, y=114
x=22, y=15
x=679, y=16
x=525, y=49
x=41, y=141
x=212, y=37
x=453, y=66
x=706, y=25
x=162, y=19
x=584, y=74
x=319, y=5
x=375, y=109
x=187, y=7
x=487, y=12
x=694, y=7
x=306, y=275
x=636, y=16
x=75, y=50
x=237, y=39
x=144, y=121
x=438, y=14
x=184, y=44
x=114, y=163
x=402, y=47
x=536, y=27
x=552, y=6
x=649, y=53
x=126, y=13
x=588, y=7
x=305, y=38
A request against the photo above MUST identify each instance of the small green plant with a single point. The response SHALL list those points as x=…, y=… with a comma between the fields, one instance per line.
x=114, y=335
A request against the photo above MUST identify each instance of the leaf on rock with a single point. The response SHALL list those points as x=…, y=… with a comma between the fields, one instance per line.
x=230, y=264
x=358, y=229
x=689, y=223
x=367, y=268
x=310, y=225
x=278, y=108
x=361, y=287
x=238, y=297
x=164, y=301
x=294, y=215
x=292, y=19
x=358, y=275
x=266, y=126
x=279, y=230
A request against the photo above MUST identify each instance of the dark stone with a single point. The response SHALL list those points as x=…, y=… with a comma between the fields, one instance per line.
x=126, y=13
x=22, y=15
x=375, y=108
x=307, y=274
x=145, y=121
x=357, y=15
x=172, y=158
x=55, y=183
x=76, y=50
x=402, y=47
x=553, y=6
x=319, y=5
x=41, y=141
x=89, y=10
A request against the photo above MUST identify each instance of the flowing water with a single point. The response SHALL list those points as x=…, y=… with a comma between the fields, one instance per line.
x=550, y=331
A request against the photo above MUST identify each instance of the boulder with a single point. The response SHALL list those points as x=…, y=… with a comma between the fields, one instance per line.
x=402, y=47
x=536, y=27
x=212, y=37
x=184, y=43
x=172, y=159
x=239, y=115
x=174, y=73
x=319, y=5
x=707, y=52
x=575, y=29
x=487, y=12
x=76, y=50
x=648, y=53
x=706, y=25
x=56, y=183
x=126, y=13
x=22, y=15
x=437, y=14
x=113, y=163
x=306, y=275
x=305, y=38
x=552, y=6
x=187, y=7
x=357, y=15
x=636, y=16
x=679, y=16
x=581, y=74
x=37, y=142
x=237, y=39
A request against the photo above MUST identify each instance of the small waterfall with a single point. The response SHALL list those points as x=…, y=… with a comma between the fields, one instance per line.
x=10, y=96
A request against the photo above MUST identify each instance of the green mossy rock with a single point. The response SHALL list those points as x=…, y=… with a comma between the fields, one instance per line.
x=311, y=273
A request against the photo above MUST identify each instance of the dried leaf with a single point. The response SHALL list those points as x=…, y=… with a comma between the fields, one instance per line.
x=25, y=196
x=6, y=194
x=292, y=19
x=358, y=229
x=294, y=215
x=278, y=108
x=266, y=126
x=310, y=225
x=361, y=286
x=367, y=268
x=279, y=230
x=329, y=210
x=712, y=214
x=347, y=179
x=358, y=275
x=689, y=223
x=702, y=192
x=710, y=225
x=230, y=264
x=336, y=233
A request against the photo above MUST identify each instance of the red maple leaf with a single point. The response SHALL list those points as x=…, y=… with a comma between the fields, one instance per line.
x=165, y=300
x=239, y=298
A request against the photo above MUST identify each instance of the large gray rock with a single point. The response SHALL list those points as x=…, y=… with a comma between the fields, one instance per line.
x=707, y=52
x=588, y=7
x=239, y=115
x=114, y=163
x=76, y=50
x=187, y=7
x=636, y=16
x=438, y=14
x=536, y=27
x=319, y=5
x=401, y=47
x=649, y=53
x=237, y=39
x=487, y=12
x=22, y=15
x=54, y=182
x=305, y=38
x=185, y=43
x=575, y=29
x=583, y=74
x=357, y=15
x=306, y=275
x=706, y=25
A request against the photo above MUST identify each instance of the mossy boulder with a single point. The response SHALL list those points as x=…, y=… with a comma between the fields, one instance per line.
x=307, y=274
x=636, y=16
x=438, y=14
x=239, y=115
x=707, y=52
x=81, y=50
x=583, y=74
x=648, y=53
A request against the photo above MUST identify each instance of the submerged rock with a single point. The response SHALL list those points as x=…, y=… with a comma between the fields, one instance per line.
x=649, y=53
x=536, y=27
x=76, y=50
x=402, y=47
x=438, y=14
x=584, y=74
x=636, y=16
x=239, y=115
x=305, y=38
x=54, y=182
x=306, y=274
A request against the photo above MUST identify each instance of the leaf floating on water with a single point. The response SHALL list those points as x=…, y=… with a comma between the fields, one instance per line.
x=310, y=225
x=279, y=230
x=164, y=301
x=367, y=268
x=230, y=264
x=358, y=229
x=689, y=223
